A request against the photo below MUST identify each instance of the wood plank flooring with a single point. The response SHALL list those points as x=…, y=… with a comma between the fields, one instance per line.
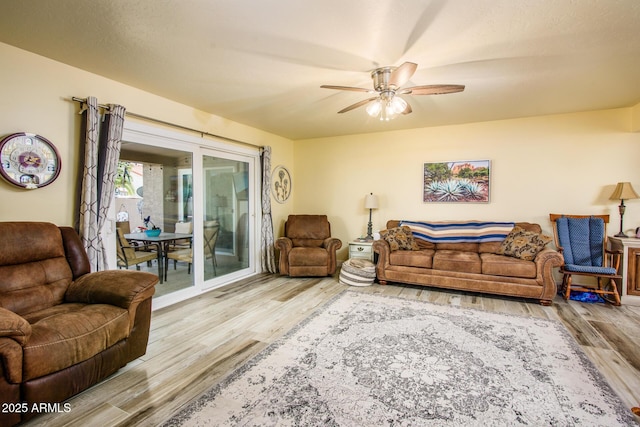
x=197, y=342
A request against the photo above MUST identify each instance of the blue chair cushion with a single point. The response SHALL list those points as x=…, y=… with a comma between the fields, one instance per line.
x=582, y=240
x=590, y=269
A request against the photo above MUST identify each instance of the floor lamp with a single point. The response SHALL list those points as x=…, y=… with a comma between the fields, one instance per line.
x=370, y=202
x=623, y=191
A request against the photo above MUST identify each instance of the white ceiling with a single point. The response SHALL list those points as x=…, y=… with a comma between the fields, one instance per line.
x=261, y=62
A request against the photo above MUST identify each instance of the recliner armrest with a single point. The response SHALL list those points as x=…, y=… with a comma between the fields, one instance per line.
x=122, y=288
x=284, y=244
x=11, y=357
x=332, y=244
x=14, y=326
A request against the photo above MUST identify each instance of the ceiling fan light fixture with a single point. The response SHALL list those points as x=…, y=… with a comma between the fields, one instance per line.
x=386, y=107
x=388, y=82
x=388, y=113
x=374, y=108
x=398, y=104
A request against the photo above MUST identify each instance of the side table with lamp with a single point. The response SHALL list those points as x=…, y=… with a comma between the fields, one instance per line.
x=363, y=248
x=623, y=191
x=371, y=203
x=359, y=269
x=630, y=247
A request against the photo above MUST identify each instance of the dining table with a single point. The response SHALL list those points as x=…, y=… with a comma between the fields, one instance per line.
x=163, y=240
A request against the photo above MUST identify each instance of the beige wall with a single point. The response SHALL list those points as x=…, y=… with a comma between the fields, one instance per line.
x=36, y=95
x=563, y=164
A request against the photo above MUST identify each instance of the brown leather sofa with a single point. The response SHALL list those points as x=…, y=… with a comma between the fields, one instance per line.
x=62, y=328
x=475, y=267
x=307, y=248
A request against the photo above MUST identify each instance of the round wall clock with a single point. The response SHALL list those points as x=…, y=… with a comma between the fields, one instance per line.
x=281, y=184
x=28, y=160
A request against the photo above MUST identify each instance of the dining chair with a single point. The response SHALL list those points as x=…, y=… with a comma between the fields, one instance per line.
x=211, y=233
x=182, y=228
x=129, y=255
x=210, y=237
x=182, y=255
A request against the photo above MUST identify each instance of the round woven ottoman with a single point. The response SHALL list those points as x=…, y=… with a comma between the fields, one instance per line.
x=357, y=272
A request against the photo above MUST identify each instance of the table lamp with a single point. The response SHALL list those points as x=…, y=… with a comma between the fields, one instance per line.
x=370, y=202
x=623, y=191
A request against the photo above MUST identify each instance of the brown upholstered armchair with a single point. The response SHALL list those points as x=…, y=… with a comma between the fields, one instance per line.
x=307, y=248
x=62, y=328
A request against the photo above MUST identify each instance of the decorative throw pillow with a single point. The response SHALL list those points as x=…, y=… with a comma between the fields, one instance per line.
x=400, y=238
x=523, y=244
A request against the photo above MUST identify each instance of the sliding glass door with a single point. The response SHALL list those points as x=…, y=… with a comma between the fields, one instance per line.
x=208, y=188
x=226, y=214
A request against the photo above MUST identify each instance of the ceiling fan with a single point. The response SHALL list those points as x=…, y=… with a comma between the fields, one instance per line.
x=387, y=85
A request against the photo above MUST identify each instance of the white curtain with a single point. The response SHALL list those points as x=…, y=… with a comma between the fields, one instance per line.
x=267, y=250
x=102, y=152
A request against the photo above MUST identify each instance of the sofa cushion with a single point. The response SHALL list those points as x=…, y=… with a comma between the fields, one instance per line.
x=459, y=261
x=68, y=334
x=464, y=247
x=523, y=244
x=307, y=243
x=501, y=265
x=422, y=258
x=33, y=286
x=314, y=227
x=34, y=272
x=422, y=244
x=399, y=238
x=493, y=247
x=489, y=247
x=309, y=256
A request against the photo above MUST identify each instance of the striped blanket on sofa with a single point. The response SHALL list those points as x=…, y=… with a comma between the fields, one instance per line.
x=459, y=231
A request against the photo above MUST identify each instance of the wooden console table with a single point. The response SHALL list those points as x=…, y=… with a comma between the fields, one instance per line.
x=630, y=273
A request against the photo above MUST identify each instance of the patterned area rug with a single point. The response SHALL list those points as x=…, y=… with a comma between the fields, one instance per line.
x=370, y=360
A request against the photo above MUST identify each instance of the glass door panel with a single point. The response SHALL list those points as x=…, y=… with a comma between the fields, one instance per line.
x=226, y=215
x=154, y=187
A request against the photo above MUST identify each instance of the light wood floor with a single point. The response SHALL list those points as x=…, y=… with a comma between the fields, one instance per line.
x=197, y=342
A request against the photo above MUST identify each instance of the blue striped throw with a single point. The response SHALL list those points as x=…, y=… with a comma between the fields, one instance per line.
x=459, y=231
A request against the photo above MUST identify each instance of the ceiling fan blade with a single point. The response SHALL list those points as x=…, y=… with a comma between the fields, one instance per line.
x=357, y=104
x=431, y=90
x=355, y=89
x=402, y=74
x=408, y=109
x=426, y=19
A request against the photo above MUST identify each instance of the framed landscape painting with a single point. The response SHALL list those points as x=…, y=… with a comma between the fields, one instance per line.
x=457, y=182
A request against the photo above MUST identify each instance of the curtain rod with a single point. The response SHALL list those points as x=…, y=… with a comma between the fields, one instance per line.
x=151, y=119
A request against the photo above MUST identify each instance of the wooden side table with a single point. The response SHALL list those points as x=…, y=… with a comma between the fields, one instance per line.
x=630, y=266
x=359, y=249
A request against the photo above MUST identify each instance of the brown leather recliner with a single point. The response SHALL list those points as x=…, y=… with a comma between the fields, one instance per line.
x=62, y=328
x=307, y=248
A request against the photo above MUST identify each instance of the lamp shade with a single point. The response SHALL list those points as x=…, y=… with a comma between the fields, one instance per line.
x=624, y=191
x=371, y=201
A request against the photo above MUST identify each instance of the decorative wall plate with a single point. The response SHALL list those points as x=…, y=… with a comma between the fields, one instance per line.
x=28, y=161
x=281, y=184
